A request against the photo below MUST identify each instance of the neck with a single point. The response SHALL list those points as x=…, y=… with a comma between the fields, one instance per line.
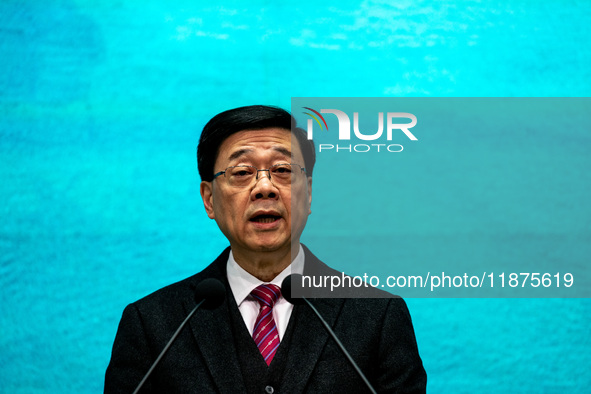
x=265, y=266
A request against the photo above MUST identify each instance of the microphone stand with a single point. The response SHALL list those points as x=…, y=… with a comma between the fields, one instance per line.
x=341, y=346
x=286, y=287
x=177, y=332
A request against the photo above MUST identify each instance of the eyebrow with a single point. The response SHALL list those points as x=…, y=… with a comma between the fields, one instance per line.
x=241, y=152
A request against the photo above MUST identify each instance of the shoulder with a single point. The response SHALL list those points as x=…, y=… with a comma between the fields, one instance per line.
x=356, y=301
x=182, y=292
x=322, y=281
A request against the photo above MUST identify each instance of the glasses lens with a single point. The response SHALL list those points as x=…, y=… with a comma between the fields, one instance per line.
x=283, y=173
x=240, y=175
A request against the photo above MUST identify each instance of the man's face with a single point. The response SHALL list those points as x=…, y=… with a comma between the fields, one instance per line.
x=263, y=216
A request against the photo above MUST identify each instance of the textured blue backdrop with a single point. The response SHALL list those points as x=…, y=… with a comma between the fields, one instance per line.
x=101, y=104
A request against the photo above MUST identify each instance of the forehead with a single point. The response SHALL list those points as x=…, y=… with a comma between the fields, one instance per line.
x=263, y=143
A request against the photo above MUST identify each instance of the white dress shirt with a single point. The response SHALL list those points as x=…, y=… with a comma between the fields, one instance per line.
x=242, y=283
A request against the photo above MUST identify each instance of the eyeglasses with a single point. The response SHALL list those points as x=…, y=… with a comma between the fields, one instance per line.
x=280, y=174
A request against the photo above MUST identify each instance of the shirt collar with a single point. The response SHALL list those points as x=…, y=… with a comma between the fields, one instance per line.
x=242, y=283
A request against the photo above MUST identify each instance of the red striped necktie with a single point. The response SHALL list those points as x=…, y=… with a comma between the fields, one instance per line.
x=265, y=332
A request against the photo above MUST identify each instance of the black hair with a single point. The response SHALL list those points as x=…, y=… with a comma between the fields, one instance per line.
x=254, y=117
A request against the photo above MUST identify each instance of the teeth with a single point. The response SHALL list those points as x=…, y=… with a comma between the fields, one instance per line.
x=265, y=219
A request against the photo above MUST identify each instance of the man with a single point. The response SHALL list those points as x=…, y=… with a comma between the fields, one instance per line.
x=257, y=186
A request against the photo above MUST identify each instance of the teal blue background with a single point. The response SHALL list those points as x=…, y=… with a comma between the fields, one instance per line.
x=101, y=105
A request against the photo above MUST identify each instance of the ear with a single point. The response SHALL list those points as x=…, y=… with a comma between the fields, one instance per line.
x=206, y=190
x=309, y=195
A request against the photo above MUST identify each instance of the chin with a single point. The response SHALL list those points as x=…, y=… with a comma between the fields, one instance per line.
x=271, y=246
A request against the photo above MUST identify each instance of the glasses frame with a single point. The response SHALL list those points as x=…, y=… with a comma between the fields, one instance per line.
x=217, y=174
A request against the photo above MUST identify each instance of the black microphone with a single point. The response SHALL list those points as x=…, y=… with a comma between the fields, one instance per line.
x=286, y=288
x=209, y=294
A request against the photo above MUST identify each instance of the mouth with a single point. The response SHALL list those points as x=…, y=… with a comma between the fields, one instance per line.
x=265, y=218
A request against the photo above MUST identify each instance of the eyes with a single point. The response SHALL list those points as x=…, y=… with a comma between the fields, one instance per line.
x=277, y=169
x=283, y=174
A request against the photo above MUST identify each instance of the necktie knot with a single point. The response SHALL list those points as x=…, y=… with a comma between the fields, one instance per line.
x=266, y=294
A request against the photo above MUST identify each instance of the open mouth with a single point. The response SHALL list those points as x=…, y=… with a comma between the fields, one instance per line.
x=265, y=218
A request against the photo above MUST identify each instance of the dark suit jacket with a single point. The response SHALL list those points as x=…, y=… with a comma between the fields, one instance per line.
x=378, y=334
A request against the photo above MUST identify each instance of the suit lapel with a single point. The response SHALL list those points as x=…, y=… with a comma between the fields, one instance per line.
x=213, y=333
x=308, y=341
x=309, y=335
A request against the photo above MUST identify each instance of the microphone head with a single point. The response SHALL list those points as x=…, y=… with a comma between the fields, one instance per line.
x=211, y=291
x=287, y=285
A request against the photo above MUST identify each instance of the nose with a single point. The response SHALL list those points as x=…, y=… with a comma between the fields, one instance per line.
x=263, y=187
